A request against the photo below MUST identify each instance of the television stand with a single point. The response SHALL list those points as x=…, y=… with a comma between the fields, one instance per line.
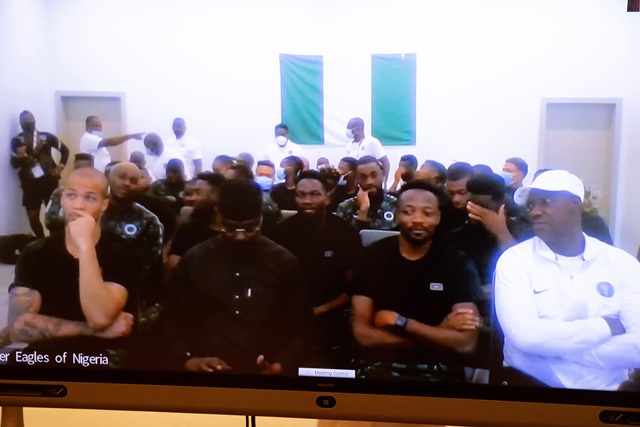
x=12, y=416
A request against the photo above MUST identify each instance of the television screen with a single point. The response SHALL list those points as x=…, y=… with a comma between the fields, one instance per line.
x=409, y=211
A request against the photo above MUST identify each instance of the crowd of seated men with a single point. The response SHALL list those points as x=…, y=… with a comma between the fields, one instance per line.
x=261, y=268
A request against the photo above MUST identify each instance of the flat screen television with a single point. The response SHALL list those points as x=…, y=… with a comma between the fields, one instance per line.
x=484, y=79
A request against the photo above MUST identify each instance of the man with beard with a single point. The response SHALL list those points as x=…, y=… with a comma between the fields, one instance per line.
x=203, y=223
x=72, y=288
x=567, y=303
x=171, y=188
x=39, y=175
x=241, y=303
x=327, y=247
x=372, y=208
x=414, y=305
x=140, y=229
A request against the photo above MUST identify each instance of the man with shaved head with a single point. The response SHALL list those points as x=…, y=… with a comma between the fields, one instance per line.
x=362, y=145
x=78, y=289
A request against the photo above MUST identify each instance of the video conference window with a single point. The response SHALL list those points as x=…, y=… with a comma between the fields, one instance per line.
x=328, y=243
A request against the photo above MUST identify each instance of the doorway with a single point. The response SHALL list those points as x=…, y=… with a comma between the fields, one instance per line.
x=582, y=136
x=72, y=109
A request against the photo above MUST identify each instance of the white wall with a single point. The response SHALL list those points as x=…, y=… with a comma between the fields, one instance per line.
x=24, y=84
x=483, y=67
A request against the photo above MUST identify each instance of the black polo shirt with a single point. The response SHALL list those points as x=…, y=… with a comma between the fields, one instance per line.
x=326, y=254
x=238, y=304
x=424, y=290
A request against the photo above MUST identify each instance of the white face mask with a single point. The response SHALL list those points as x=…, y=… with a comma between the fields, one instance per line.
x=98, y=133
x=349, y=134
x=281, y=141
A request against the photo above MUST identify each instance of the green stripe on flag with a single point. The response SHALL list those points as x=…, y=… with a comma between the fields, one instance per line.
x=393, y=98
x=302, y=100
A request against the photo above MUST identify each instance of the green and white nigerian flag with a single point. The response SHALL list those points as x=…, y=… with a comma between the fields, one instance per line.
x=319, y=94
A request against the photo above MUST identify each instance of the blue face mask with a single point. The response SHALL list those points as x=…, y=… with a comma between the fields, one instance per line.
x=343, y=179
x=509, y=178
x=281, y=174
x=264, y=182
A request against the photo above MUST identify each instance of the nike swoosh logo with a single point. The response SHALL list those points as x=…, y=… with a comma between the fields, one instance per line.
x=536, y=292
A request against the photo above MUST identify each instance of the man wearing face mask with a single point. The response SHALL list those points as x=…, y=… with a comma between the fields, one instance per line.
x=362, y=145
x=39, y=175
x=372, y=208
x=158, y=155
x=93, y=142
x=282, y=146
x=513, y=173
x=271, y=212
x=284, y=194
x=347, y=185
x=241, y=303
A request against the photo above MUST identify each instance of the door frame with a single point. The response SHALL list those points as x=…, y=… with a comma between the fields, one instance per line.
x=617, y=126
x=61, y=94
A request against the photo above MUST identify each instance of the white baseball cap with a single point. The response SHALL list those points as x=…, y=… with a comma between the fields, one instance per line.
x=552, y=180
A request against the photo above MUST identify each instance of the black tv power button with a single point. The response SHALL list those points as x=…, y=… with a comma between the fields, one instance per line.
x=326, y=402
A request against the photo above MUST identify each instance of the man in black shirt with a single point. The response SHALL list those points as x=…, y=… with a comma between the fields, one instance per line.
x=203, y=223
x=455, y=215
x=327, y=247
x=347, y=185
x=38, y=172
x=77, y=284
x=284, y=194
x=240, y=301
x=415, y=297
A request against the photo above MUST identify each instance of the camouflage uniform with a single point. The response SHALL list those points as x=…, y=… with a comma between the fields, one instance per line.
x=139, y=228
x=53, y=218
x=380, y=218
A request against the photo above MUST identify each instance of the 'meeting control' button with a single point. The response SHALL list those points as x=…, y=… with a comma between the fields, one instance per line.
x=326, y=401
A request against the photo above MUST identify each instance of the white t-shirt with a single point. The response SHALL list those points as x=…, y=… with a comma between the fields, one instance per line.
x=157, y=164
x=551, y=311
x=369, y=146
x=89, y=145
x=275, y=153
x=190, y=149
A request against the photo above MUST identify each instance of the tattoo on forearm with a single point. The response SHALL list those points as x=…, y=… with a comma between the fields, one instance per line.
x=35, y=328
